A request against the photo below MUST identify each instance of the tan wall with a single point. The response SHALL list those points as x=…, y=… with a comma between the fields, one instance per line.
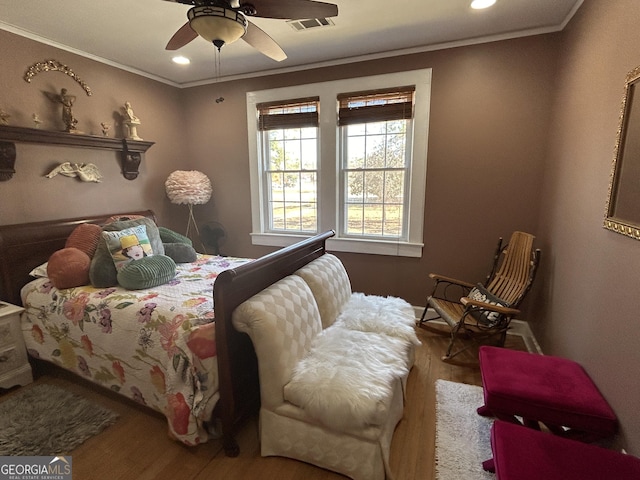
x=488, y=133
x=29, y=196
x=521, y=137
x=586, y=306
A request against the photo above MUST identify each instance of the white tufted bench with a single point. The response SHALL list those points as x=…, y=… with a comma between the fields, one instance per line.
x=331, y=375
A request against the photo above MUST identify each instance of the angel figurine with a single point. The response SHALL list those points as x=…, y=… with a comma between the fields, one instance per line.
x=4, y=117
x=87, y=172
x=67, y=101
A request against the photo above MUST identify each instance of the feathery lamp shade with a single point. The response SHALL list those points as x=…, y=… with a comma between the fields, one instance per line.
x=189, y=188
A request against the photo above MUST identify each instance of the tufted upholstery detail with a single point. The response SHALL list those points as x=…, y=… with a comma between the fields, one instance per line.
x=330, y=284
x=282, y=321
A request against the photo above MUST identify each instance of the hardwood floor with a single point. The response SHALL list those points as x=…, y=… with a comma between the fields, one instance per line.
x=137, y=445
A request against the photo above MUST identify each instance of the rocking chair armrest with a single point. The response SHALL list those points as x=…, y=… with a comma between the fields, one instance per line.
x=466, y=301
x=442, y=278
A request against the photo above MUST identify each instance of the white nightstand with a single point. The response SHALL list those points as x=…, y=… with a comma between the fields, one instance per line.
x=14, y=364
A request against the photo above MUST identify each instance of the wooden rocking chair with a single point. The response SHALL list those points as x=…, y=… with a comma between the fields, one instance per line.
x=484, y=311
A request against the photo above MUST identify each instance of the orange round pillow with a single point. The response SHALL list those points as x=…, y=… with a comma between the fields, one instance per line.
x=68, y=268
x=85, y=237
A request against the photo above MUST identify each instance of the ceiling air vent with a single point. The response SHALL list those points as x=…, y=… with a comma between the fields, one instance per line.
x=299, y=25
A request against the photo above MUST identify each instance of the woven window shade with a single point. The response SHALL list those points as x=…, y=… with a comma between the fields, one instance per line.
x=376, y=105
x=299, y=113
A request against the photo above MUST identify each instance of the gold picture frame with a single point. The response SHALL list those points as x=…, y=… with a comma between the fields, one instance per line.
x=622, y=213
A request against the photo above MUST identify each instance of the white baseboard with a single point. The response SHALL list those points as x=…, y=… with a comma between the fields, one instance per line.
x=518, y=327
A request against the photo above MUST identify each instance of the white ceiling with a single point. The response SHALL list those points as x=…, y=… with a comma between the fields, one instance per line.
x=132, y=34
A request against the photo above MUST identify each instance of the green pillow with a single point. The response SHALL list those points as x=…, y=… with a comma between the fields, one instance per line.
x=180, y=252
x=102, y=272
x=148, y=272
x=169, y=236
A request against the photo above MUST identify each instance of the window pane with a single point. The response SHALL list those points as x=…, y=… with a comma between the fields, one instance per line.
x=309, y=154
x=392, y=220
x=355, y=219
x=356, y=151
x=372, y=219
x=376, y=128
x=374, y=186
x=375, y=182
x=277, y=187
x=355, y=187
x=292, y=180
x=394, y=187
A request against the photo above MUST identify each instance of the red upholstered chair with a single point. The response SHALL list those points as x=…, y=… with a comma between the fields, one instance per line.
x=521, y=453
x=542, y=389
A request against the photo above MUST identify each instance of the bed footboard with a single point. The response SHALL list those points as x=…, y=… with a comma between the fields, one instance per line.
x=237, y=364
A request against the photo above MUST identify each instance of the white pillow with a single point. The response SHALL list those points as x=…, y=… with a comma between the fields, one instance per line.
x=40, y=271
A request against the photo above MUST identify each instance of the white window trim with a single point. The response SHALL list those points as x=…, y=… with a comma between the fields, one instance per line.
x=328, y=177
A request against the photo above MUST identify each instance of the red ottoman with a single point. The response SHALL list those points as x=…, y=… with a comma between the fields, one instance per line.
x=524, y=454
x=544, y=389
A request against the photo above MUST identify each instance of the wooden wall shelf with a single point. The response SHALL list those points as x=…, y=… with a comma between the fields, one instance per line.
x=131, y=151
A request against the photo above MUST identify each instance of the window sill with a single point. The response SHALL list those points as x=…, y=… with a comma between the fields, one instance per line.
x=371, y=247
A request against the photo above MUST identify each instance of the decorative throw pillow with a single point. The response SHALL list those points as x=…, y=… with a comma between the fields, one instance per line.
x=40, y=271
x=152, y=231
x=169, y=236
x=180, y=252
x=148, y=272
x=85, y=237
x=68, y=268
x=481, y=294
x=128, y=245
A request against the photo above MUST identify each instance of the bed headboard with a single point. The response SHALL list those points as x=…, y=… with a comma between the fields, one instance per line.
x=25, y=246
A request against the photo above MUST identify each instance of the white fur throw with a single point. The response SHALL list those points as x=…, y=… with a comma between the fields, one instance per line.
x=388, y=315
x=347, y=379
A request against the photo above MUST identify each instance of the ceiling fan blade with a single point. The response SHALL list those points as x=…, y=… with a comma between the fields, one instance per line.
x=258, y=39
x=183, y=36
x=291, y=9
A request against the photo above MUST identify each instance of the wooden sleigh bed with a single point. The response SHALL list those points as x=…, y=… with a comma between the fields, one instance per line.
x=26, y=246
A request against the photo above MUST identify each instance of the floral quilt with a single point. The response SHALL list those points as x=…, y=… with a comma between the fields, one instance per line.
x=155, y=346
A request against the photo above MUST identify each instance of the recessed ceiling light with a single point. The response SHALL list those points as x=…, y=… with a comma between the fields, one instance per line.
x=180, y=60
x=480, y=4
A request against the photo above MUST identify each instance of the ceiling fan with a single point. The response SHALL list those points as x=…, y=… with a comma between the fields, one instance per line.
x=224, y=21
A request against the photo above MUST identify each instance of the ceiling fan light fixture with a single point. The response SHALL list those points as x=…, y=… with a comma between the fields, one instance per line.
x=218, y=25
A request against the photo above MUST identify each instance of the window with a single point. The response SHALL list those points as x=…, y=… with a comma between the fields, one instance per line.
x=375, y=162
x=289, y=140
x=348, y=155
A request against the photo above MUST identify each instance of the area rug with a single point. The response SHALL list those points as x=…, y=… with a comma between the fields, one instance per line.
x=44, y=420
x=462, y=436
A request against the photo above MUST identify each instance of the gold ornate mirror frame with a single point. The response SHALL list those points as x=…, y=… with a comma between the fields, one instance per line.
x=623, y=203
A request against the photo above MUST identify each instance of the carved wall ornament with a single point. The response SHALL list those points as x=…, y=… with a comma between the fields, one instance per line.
x=87, y=172
x=54, y=66
x=7, y=160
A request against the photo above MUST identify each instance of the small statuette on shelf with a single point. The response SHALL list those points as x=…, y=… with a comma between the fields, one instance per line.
x=36, y=120
x=4, y=117
x=105, y=128
x=67, y=101
x=131, y=122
